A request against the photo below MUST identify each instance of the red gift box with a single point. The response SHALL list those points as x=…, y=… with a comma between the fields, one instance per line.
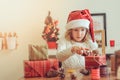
x=39, y=68
x=94, y=61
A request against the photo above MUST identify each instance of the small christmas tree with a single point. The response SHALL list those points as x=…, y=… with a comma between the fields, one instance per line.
x=50, y=33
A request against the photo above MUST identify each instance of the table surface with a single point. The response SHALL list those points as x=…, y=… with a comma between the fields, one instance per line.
x=109, y=77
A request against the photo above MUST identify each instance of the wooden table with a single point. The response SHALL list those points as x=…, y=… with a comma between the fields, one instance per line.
x=109, y=77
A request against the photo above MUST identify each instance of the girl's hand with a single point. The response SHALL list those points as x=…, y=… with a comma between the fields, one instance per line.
x=75, y=49
x=79, y=50
x=95, y=52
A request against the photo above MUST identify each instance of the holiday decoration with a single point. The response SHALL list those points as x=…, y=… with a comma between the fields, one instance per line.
x=104, y=70
x=95, y=73
x=94, y=61
x=112, y=43
x=81, y=18
x=39, y=68
x=50, y=33
x=37, y=52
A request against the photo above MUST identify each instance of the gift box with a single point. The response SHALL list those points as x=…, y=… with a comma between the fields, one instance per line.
x=112, y=60
x=94, y=61
x=39, y=68
x=37, y=52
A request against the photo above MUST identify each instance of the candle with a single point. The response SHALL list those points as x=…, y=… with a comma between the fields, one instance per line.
x=112, y=43
x=95, y=73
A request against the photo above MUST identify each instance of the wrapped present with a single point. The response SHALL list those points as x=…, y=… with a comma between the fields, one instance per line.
x=38, y=52
x=112, y=60
x=94, y=61
x=39, y=68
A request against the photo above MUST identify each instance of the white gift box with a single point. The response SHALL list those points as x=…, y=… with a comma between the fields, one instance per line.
x=11, y=42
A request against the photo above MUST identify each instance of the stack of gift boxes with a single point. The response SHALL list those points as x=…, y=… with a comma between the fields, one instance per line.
x=39, y=68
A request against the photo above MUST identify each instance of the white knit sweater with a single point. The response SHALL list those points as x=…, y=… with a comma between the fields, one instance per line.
x=69, y=59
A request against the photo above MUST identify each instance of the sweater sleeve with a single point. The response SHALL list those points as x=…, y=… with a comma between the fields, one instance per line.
x=63, y=52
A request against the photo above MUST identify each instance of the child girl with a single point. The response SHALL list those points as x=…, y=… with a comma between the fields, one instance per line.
x=76, y=41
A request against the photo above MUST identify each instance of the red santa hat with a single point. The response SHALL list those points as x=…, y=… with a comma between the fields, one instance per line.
x=81, y=18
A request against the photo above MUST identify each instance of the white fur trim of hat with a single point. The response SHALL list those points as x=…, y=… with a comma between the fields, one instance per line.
x=78, y=23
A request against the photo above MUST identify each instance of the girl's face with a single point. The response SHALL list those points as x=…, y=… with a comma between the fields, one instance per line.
x=78, y=34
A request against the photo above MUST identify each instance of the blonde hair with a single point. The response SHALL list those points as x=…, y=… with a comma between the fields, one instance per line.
x=68, y=35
